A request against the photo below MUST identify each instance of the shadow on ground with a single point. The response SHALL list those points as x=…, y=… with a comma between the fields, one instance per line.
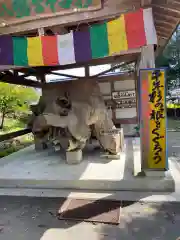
x=31, y=218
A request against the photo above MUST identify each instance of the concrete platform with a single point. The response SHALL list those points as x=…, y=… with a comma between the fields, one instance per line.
x=48, y=170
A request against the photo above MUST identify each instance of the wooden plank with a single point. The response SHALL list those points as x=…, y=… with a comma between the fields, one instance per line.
x=11, y=135
x=162, y=34
x=146, y=3
x=126, y=121
x=87, y=71
x=20, y=80
x=167, y=25
x=164, y=17
x=175, y=5
x=164, y=30
x=117, y=77
x=15, y=11
x=64, y=75
x=111, y=8
x=166, y=11
x=108, y=78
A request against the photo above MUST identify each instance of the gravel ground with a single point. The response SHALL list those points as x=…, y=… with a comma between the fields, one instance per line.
x=24, y=218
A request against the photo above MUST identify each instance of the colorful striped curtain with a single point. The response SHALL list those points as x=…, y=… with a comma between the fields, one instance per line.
x=131, y=30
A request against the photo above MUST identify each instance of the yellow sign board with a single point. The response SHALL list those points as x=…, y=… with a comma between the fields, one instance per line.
x=153, y=118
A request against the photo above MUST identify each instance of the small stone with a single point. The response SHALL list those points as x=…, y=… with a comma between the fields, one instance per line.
x=74, y=157
x=42, y=226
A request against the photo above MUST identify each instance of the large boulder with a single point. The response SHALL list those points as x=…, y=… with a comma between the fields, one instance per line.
x=76, y=107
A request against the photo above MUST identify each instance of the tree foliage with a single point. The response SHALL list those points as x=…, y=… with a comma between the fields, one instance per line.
x=170, y=58
x=15, y=99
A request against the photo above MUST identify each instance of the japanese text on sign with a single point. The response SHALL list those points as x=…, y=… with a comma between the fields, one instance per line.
x=157, y=117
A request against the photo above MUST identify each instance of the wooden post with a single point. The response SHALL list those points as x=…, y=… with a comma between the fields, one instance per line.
x=87, y=72
x=147, y=58
x=41, y=31
x=42, y=77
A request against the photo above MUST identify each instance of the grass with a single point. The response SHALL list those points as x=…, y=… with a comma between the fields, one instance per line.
x=14, y=145
x=12, y=125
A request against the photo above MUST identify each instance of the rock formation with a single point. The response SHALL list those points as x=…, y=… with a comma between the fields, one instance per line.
x=68, y=112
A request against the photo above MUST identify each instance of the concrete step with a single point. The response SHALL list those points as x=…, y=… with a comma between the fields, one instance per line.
x=49, y=170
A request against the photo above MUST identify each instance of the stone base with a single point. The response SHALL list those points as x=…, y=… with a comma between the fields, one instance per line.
x=160, y=178
x=49, y=170
x=151, y=173
x=74, y=157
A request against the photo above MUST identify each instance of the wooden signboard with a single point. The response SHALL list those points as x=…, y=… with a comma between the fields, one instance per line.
x=124, y=98
x=16, y=11
x=152, y=108
x=126, y=103
x=124, y=94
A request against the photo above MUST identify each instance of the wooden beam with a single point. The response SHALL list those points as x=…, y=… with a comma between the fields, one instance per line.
x=162, y=48
x=164, y=30
x=11, y=135
x=167, y=25
x=111, y=69
x=164, y=17
x=145, y=3
x=64, y=75
x=112, y=77
x=124, y=56
x=111, y=8
x=147, y=59
x=101, y=74
x=166, y=11
x=162, y=34
x=174, y=5
x=19, y=80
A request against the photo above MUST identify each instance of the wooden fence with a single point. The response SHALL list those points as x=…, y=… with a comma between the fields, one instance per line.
x=11, y=135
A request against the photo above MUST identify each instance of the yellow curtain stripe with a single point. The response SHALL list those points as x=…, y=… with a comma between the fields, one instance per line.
x=117, y=35
x=34, y=51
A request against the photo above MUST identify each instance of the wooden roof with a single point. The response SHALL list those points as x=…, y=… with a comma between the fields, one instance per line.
x=166, y=17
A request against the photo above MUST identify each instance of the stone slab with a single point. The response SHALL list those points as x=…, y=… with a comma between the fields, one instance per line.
x=49, y=170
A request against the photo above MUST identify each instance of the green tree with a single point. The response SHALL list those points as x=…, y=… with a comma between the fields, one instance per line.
x=170, y=58
x=14, y=99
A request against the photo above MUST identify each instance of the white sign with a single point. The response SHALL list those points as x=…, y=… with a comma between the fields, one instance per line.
x=124, y=94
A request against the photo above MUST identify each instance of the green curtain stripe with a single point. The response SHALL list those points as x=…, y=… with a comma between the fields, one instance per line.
x=99, y=40
x=20, y=51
